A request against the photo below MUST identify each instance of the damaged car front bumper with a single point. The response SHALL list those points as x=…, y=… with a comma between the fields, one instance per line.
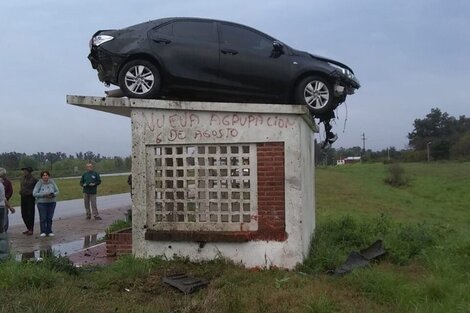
x=106, y=64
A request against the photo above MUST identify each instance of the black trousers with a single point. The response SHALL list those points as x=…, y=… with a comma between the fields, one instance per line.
x=27, y=211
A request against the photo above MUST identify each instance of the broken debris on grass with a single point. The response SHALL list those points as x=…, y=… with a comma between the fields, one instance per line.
x=185, y=283
x=360, y=259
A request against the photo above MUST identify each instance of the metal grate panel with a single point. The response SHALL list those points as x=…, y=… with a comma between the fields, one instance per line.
x=205, y=187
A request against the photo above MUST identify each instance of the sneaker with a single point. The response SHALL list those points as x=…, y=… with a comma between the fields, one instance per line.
x=88, y=217
x=42, y=235
x=98, y=218
x=29, y=233
x=26, y=232
x=51, y=235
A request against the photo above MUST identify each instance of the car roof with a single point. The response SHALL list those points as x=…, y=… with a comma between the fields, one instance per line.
x=154, y=23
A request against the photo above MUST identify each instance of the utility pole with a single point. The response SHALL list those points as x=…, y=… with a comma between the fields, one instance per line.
x=427, y=150
x=363, y=143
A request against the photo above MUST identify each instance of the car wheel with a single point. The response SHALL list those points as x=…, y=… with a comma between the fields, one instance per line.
x=316, y=93
x=139, y=79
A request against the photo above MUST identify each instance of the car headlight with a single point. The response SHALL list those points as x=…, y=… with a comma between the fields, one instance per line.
x=342, y=70
x=100, y=39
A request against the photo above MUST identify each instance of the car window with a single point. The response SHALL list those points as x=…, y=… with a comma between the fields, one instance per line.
x=240, y=37
x=166, y=29
x=199, y=30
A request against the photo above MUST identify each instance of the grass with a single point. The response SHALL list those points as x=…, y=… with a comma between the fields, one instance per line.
x=436, y=192
x=70, y=188
x=424, y=226
x=118, y=225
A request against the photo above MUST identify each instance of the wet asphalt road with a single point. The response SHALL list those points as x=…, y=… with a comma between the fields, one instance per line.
x=72, y=231
x=75, y=207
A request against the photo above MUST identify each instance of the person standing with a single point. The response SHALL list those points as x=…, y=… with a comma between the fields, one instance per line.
x=27, y=183
x=129, y=182
x=8, y=193
x=4, y=205
x=90, y=181
x=45, y=193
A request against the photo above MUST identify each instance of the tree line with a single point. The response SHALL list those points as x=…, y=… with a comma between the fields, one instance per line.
x=437, y=136
x=62, y=164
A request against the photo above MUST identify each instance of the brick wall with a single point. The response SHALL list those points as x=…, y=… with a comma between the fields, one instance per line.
x=119, y=243
x=271, y=191
x=271, y=204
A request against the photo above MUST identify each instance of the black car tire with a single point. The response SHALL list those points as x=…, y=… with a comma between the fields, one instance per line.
x=139, y=79
x=316, y=93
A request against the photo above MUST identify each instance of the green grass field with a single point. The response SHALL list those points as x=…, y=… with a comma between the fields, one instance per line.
x=425, y=227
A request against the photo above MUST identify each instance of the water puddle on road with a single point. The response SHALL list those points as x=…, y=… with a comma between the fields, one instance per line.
x=62, y=249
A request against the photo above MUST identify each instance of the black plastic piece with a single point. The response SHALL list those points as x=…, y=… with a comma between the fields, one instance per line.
x=185, y=283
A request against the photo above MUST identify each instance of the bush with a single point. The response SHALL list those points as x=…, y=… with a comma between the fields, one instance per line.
x=396, y=175
x=408, y=241
x=335, y=238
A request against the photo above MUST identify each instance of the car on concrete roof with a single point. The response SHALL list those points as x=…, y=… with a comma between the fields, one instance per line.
x=205, y=59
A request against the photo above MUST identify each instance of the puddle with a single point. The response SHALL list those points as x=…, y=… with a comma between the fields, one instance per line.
x=62, y=249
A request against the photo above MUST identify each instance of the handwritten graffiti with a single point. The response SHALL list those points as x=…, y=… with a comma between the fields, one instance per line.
x=248, y=121
x=216, y=133
x=177, y=126
x=184, y=120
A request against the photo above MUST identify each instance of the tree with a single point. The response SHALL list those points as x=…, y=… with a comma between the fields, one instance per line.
x=461, y=150
x=439, y=129
x=26, y=161
x=10, y=160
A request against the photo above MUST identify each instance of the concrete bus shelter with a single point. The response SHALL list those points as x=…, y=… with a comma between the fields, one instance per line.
x=210, y=179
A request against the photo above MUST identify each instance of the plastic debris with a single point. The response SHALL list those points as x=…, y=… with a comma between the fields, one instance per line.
x=361, y=258
x=184, y=283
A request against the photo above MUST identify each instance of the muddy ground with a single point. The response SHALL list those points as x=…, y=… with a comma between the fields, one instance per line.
x=72, y=234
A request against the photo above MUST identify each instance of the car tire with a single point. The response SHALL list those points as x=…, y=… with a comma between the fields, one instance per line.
x=316, y=93
x=139, y=79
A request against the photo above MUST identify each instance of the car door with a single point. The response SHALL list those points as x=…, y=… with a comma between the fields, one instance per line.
x=188, y=51
x=249, y=64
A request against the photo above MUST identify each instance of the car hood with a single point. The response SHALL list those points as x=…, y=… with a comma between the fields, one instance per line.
x=318, y=57
x=321, y=58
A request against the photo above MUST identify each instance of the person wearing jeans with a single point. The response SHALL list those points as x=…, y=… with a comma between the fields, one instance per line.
x=90, y=180
x=45, y=193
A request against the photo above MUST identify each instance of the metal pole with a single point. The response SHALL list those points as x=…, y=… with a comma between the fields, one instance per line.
x=363, y=143
x=427, y=148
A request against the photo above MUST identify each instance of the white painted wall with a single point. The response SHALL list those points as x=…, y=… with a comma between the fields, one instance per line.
x=158, y=122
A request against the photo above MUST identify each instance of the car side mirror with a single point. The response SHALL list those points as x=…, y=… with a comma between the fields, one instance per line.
x=278, y=47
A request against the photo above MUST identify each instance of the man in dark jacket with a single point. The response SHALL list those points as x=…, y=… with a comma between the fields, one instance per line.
x=27, y=184
x=89, y=181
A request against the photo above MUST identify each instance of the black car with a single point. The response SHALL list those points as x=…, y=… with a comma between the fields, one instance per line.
x=213, y=59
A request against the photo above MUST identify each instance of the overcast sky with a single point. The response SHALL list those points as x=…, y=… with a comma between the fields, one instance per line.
x=410, y=56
